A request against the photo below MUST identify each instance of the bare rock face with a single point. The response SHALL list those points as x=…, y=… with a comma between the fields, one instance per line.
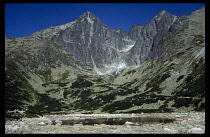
x=135, y=31
x=89, y=40
x=149, y=36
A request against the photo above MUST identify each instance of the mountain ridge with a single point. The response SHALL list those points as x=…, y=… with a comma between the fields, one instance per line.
x=86, y=67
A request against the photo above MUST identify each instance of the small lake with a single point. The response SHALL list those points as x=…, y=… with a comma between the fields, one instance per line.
x=118, y=121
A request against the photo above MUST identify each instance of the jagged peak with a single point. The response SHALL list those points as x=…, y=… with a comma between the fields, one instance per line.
x=88, y=14
x=161, y=14
x=136, y=25
x=119, y=30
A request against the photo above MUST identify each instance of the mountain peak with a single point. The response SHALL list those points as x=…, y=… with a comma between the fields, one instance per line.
x=136, y=25
x=88, y=14
x=161, y=14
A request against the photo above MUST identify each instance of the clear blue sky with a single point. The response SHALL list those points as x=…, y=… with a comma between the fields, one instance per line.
x=26, y=18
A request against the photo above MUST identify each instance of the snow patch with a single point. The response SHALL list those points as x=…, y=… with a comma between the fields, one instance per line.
x=118, y=31
x=127, y=48
x=111, y=68
x=115, y=67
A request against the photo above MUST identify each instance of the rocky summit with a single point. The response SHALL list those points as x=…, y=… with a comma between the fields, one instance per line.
x=84, y=66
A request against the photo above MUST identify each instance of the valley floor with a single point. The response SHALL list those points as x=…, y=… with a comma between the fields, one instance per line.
x=185, y=123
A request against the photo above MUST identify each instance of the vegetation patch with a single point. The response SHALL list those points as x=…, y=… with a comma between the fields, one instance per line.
x=88, y=104
x=129, y=72
x=66, y=92
x=75, y=93
x=126, y=91
x=17, y=88
x=194, y=83
x=52, y=90
x=179, y=102
x=106, y=86
x=192, y=90
x=81, y=82
x=46, y=74
x=65, y=75
x=179, y=78
x=117, y=105
x=156, y=81
x=106, y=98
x=45, y=103
x=152, y=65
x=128, y=85
x=11, y=116
x=85, y=93
x=60, y=84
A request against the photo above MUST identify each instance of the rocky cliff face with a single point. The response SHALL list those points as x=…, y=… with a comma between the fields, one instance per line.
x=89, y=41
x=86, y=67
x=149, y=36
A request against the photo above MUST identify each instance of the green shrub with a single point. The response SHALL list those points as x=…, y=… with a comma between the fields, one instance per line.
x=179, y=78
x=179, y=102
x=87, y=104
x=81, y=82
x=117, y=105
x=85, y=93
x=60, y=84
x=45, y=100
x=155, y=82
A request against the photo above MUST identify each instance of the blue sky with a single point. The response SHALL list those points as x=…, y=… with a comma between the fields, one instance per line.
x=23, y=19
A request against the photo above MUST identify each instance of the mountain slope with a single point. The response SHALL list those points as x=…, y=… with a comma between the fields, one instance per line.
x=86, y=67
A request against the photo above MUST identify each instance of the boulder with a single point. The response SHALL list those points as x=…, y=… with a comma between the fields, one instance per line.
x=42, y=124
x=170, y=131
x=196, y=131
x=129, y=123
x=49, y=122
x=58, y=122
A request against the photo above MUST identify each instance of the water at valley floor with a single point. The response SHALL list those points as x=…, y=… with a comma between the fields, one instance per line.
x=118, y=121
